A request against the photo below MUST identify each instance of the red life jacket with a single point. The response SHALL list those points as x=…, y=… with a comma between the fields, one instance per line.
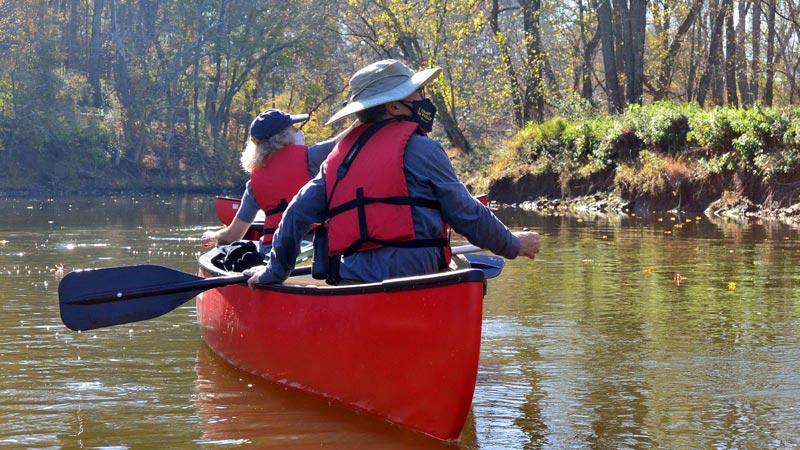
x=368, y=202
x=276, y=181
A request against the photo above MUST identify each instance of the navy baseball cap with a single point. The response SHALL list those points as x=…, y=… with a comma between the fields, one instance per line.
x=271, y=121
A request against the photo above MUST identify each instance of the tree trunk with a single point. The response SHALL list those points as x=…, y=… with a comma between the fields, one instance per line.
x=212, y=94
x=123, y=76
x=711, y=79
x=587, y=90
x=769, y=85
x=691, y=78
x=71, y=39
x=667, y=64
x=123, y=81
x=583, y=81
x=637, y=18
x=534, y=62
x=450, y=124
x=717, y=66
x=95, y=54
x=741, y=58
x=621, y=27
x=613, y=92
x=505, y=59
x=755, y=76
x=730, y=55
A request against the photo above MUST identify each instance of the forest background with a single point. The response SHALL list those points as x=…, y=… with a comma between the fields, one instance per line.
x=662, y=103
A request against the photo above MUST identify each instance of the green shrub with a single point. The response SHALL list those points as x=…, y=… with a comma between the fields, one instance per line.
x=582, y=139
x=662, y=125
x=761, y=136
x=540, y=144
x=719, y=163
x=765, y=141
x=712, y=130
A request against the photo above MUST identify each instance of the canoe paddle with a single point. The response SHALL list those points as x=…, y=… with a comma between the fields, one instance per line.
x=489, y=264
x=98, y=298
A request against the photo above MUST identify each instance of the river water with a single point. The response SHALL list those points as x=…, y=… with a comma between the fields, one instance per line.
x=663, y=331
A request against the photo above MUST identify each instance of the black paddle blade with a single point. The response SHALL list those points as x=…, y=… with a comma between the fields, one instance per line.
x=99, y=298
x=490, y=265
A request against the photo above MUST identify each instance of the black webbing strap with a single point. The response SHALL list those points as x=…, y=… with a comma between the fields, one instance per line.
x=365, y=238
x=359, y=201
x=282, y=205
x=357, y=146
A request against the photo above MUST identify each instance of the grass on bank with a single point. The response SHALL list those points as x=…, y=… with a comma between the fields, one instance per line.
x=654, y=150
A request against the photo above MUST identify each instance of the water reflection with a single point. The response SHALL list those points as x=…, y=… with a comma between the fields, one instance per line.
x=624, y=357
x=238, y=408
x=593, y=345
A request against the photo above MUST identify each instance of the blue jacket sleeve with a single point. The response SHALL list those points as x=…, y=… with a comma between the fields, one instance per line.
x=427, y=163
x=248, y=208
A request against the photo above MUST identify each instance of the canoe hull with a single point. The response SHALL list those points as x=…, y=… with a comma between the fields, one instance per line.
x=227, y=208
x=403, y=351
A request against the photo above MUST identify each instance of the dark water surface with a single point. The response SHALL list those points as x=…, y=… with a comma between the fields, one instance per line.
x=664, y=332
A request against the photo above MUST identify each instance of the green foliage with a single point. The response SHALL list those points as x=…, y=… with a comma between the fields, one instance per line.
x=540, y=145
x=765, y=141
x=718, y=163
x=571, y=106
x=712, y=129
x=592, y=143
x=662, y=125
x=761, y=134
x=181, y=86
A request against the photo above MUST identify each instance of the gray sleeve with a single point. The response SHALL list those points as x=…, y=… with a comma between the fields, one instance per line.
x=317, y=153
x=248, y=208
x=430, y=164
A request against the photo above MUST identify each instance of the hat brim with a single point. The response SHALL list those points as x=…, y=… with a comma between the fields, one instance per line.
x=296, y=118
x=400, y=92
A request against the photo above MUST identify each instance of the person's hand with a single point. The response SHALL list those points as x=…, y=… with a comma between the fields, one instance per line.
x=208, y=239
x=528, y=243
x=254, y=273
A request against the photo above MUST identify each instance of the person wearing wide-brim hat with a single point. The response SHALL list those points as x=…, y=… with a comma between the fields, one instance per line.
x=279, y=164
x=387, y=191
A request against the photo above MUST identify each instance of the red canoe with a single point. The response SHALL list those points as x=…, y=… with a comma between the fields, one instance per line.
x=404, y=350
x=227, y=208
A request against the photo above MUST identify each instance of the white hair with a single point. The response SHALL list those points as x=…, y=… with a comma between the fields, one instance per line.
x=258, y=149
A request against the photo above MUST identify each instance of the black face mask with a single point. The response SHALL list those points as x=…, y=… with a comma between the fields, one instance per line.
x=424, y=112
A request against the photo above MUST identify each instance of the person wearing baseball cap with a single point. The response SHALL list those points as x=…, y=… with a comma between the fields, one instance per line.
x=279, y=164
x=387, y=192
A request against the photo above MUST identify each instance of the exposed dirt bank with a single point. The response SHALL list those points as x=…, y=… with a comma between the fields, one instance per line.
x=738, y=195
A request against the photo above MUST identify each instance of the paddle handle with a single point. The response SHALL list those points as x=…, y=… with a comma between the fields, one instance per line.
x=200, y=284
x=461, y=249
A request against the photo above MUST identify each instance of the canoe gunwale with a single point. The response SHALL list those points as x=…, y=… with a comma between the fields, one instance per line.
x=393, y=285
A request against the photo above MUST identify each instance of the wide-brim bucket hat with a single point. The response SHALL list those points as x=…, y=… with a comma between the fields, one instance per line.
x=382, y=82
